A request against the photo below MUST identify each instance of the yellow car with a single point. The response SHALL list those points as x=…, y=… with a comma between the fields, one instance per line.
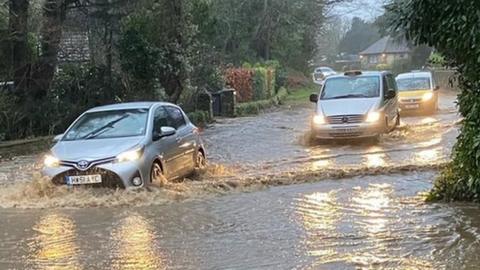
x=417, y=92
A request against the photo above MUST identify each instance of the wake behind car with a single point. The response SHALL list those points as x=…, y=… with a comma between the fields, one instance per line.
x=127, y=145
x=417, y=92
x=355, y=105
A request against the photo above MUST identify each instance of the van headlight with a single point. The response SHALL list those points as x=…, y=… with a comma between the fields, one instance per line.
x=319, y=120
x=427, y=96
x=51, y=161
x=130, y=155
x=373, y=117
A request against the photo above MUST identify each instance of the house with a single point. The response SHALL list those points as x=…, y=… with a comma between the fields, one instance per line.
x=385, y=51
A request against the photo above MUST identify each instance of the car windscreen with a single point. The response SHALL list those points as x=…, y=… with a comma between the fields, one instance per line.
x=351, y=87
x=109, y=124
x=411, y=84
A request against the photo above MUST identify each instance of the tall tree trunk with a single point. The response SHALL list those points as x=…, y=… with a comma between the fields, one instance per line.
x=18, y=22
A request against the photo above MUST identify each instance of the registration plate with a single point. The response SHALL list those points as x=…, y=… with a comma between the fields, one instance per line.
x=84, y=179
x=414, y=106
x=346, y=130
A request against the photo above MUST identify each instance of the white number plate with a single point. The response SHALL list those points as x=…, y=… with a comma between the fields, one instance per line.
x=84, y=179
x=416, y=106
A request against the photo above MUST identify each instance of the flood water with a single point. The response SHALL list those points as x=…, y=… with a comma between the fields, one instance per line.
x=366, y=222
x=270, y=200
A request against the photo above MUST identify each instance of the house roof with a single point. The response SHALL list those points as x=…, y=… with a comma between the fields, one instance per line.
x=387, y=45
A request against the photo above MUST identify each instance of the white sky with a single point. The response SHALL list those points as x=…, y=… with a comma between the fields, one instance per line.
x=368, y=10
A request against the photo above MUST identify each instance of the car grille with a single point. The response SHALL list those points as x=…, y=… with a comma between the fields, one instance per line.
x=109, y=179
x=345, y=119
x=346, y=135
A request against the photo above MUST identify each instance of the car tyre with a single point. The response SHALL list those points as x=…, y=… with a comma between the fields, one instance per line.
x=156, y=175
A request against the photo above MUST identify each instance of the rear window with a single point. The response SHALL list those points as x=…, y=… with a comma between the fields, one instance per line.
x=351, y=87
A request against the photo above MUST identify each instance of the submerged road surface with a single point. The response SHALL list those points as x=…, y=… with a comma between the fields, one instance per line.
x=362, y=223
x=336, y=220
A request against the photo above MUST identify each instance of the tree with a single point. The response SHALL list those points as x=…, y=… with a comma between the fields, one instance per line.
x=359, y=37
x=452, y=28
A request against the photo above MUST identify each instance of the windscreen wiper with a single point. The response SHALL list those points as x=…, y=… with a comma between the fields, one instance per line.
x=99, y=130
x=349, y=96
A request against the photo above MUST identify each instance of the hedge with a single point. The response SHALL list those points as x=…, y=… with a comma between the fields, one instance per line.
x=255, y=107
x=200, y=118
x=257, y=83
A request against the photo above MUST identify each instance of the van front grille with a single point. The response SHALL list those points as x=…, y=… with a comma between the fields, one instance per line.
x=346, y=119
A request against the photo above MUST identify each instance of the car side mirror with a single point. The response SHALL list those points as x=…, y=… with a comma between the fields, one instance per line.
x=57, y=138
x=436, y=88
x=314, y=98
x=391, y=94
x=164, y=132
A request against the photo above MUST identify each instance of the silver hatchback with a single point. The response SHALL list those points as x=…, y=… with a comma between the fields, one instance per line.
x=127, y=145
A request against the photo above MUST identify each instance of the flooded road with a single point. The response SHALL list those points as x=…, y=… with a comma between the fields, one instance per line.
x=284, y=204
x=376, y=222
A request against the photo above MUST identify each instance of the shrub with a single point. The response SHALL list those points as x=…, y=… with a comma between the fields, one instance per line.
x=241, y=80
x=255, y=107
x=260, y=87
x=199, y=118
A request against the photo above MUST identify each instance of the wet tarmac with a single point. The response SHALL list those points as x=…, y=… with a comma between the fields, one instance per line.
x=284, y=204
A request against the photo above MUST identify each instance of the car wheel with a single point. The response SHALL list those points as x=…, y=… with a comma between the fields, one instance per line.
x=156, y=175
x=201, y=162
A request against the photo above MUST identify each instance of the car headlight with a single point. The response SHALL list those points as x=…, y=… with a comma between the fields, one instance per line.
x=427, y=96
x=130, y=155
x=318, y=120
x=373, y=117
x=51, y=161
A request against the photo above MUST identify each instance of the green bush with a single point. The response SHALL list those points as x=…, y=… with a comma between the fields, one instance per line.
x=199, y=118
x=255, y=107
x=260, y=87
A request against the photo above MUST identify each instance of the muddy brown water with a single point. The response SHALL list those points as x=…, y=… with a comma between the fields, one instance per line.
x=365, y=212
x=370, y=222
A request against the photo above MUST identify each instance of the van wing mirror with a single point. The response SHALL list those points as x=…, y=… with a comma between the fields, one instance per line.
x=391, y=94
x=314, y=98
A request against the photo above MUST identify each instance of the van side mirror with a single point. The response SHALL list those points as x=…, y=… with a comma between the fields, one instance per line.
x=164, y=132
x=391, y=94
x=314, y=98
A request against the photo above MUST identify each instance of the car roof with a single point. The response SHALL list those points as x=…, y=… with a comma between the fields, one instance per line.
x=129, y=105
x=420, y=74
x=364, y=73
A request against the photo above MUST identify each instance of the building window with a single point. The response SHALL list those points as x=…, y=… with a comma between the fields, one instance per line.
x=373, y=59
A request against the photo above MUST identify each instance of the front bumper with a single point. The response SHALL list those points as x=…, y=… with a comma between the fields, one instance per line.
x=417, y=105
x=115, y=175
x=348, y=131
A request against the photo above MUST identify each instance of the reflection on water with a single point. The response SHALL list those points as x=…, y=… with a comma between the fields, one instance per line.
x=428, y=155
x=376, y=158
x=428, y=120
x=54, y=246
x=321, y=164
x=133, y=245
x=359, y=230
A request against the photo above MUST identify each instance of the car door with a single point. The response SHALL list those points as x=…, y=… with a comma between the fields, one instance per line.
x=391, y=104
x=166, y=146
x=185, y=139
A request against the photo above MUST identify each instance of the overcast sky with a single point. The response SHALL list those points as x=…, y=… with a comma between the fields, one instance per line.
x=365, y=9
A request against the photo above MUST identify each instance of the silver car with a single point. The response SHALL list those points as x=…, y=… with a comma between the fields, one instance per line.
x=129, y=145
x=320, y=73
x=356, y=105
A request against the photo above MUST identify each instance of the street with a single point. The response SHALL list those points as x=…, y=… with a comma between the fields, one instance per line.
x=367, y=211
